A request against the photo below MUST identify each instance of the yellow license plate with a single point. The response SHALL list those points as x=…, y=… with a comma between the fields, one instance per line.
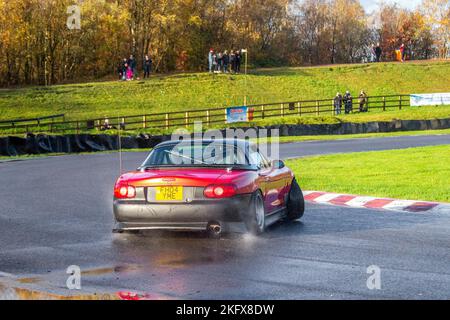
x=169, y=193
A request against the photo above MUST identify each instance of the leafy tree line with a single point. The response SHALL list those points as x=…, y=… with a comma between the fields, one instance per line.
x=37, y=47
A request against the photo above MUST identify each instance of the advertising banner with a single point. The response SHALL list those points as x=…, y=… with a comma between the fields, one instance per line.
x=237, y=114
x=429, y=99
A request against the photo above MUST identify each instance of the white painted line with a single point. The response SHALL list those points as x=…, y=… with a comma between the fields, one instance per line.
x=326, y=197
x=399, y=205
x=359, y=202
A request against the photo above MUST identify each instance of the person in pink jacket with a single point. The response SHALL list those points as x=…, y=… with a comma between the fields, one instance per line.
x=129, y=73
x=402, y=52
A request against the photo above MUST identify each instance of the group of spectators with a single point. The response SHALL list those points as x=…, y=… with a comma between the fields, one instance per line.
x=400, y=53
x=346, y=100
x=127, y=69
x=224, y=61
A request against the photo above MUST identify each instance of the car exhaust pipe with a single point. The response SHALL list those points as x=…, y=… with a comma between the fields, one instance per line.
x=214, y=229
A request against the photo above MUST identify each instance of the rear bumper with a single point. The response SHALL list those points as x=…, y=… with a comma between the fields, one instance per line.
x=195, y=215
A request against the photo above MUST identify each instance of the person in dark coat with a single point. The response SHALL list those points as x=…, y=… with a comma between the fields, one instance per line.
x=123, y=69
x=238, y=61
x=147, y=66
x=226, y=61
x=348, y=103
x=378, y=52
x=219, y=62
x=233, y=61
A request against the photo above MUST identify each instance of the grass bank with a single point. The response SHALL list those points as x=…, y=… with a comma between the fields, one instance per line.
x=200, y=90
x=416, y=173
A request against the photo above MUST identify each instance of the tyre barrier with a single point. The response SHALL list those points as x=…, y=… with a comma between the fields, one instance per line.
x=75, y=143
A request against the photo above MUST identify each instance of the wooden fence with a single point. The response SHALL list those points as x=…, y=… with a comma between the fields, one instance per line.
x=210, y=116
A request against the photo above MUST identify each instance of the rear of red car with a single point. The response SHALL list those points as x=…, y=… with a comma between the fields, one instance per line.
x=186, y=188
x=181, y=198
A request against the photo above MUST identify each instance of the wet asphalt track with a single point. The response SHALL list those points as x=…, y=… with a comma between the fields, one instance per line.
x=56, y=212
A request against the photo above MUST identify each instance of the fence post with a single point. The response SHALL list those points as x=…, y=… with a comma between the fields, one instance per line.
x=144, y=121
x=167, y=121
x=367, y=104
x=186, y=118
x=225, y=120
x=299, y=108
x=262, y=112
x=384, y=103
x=399, y=102
x=333, y=112
x=317, y=107
x=282, y=110
x=207, y=117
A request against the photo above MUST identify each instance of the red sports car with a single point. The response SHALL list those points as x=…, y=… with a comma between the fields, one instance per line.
x=204, y=184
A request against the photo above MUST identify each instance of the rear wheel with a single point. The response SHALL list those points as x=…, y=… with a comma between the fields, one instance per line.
x=296, y=202
x=255, y=220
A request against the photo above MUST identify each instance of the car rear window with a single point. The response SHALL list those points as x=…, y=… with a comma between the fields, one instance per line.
x=187, y=154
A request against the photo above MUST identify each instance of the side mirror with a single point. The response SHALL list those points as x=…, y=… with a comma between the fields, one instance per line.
x=278, y=164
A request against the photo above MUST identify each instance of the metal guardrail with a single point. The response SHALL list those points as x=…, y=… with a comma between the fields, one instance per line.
x=209, y=116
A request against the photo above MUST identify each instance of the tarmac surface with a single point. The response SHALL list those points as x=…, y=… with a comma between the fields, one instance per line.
x=56, y=212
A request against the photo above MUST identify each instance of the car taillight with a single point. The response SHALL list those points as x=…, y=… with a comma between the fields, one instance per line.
x=124, y=191
x=220, y=191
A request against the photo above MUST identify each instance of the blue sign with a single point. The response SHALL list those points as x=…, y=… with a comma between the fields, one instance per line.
x=237, y=114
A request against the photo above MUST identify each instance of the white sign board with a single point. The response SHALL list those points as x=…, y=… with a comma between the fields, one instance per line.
x=429, y=99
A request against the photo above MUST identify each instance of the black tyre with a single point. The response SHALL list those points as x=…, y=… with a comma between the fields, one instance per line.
x=296, y=202
x=255, y=218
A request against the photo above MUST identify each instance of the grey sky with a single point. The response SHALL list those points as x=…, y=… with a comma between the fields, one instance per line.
x=370, y=5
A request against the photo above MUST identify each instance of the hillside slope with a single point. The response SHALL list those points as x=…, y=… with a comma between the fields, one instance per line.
x=200, y=90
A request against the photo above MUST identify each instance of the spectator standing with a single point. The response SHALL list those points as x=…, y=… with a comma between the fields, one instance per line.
x=362, y=101
x=238, y=61
x=403, y=52
x=219, y=62
x=337, y=101
x=147, y=66
x=210, y=60
x=226, y=61
x=378, y=52
x=348, y=103
x=233, y=61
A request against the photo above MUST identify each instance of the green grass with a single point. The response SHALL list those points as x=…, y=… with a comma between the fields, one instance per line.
x=356, y=136
x=201, y=90
x=416, y=173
